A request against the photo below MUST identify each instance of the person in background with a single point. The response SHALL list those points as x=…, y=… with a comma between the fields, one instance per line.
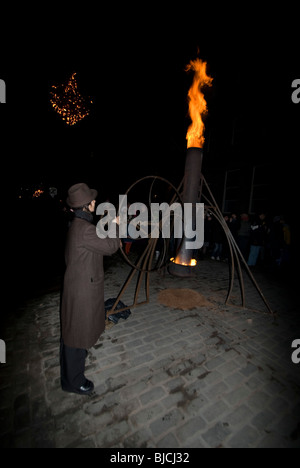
x=233, y=225
x=276, y=240
x=280, y=241
x=243, y=235
x=257, y=239
x=208, y=234
x=286, y=241
x=82, y=307
x=218, y=240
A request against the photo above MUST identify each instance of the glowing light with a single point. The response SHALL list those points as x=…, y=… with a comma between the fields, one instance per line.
x=193, y=262
x=197, y=103
x=68, y=102
x=37, y=193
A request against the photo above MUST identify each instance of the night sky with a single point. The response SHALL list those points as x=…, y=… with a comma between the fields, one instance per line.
x=134, y=73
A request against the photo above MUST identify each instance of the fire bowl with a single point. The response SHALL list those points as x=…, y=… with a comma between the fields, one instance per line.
x=183, y=271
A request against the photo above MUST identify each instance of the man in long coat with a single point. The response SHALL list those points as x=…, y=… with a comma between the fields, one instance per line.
x=82, y=310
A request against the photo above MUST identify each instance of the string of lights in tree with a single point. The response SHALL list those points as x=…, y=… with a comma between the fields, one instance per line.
x=68, y=102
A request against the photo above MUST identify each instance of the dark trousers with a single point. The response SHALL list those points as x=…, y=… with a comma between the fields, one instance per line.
x=72, y=365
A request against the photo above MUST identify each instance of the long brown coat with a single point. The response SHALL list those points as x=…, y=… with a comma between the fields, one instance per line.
x=82, y=310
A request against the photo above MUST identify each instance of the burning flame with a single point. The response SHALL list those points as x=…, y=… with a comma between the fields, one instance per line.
x=197, y=103
x=193, y=262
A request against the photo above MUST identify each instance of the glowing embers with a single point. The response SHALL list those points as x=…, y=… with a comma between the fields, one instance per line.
x=68, y=102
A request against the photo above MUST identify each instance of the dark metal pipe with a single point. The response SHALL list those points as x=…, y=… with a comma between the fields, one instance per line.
x=191, y=185
x=192, y=175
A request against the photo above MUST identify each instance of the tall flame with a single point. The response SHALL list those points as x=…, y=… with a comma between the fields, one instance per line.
x=197, y=103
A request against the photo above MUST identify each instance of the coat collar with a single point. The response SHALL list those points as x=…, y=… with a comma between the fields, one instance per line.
x=83, y=215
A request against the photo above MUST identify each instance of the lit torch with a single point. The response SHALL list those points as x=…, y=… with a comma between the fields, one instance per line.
x=181, y=265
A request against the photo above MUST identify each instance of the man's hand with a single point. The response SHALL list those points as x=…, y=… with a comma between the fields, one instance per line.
x=116, y=220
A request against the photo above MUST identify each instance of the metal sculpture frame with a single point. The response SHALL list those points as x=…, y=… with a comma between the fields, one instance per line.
x=143, y=265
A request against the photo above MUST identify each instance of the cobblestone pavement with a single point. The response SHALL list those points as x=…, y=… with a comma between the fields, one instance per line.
x=219, y=376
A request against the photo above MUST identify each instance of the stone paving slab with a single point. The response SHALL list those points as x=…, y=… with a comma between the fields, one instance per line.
x=219, y=376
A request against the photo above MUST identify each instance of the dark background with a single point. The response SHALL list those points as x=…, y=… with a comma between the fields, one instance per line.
x=130, y=61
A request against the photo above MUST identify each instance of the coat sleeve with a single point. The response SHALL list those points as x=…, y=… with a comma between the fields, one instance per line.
x=105, y=246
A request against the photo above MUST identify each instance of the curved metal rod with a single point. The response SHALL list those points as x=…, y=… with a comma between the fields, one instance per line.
x=137, y=266
x=231, y=244
x=231, y=265
x=163, y=259
x=237, y=255
x=147, y=256
x=231, y=268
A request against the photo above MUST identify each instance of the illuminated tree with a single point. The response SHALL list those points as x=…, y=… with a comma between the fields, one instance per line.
x=68, y=102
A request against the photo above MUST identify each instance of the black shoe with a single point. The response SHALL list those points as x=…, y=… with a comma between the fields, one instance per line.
x=85, y=389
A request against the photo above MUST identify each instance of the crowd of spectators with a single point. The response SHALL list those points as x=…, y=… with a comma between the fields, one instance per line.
x=260, y=239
